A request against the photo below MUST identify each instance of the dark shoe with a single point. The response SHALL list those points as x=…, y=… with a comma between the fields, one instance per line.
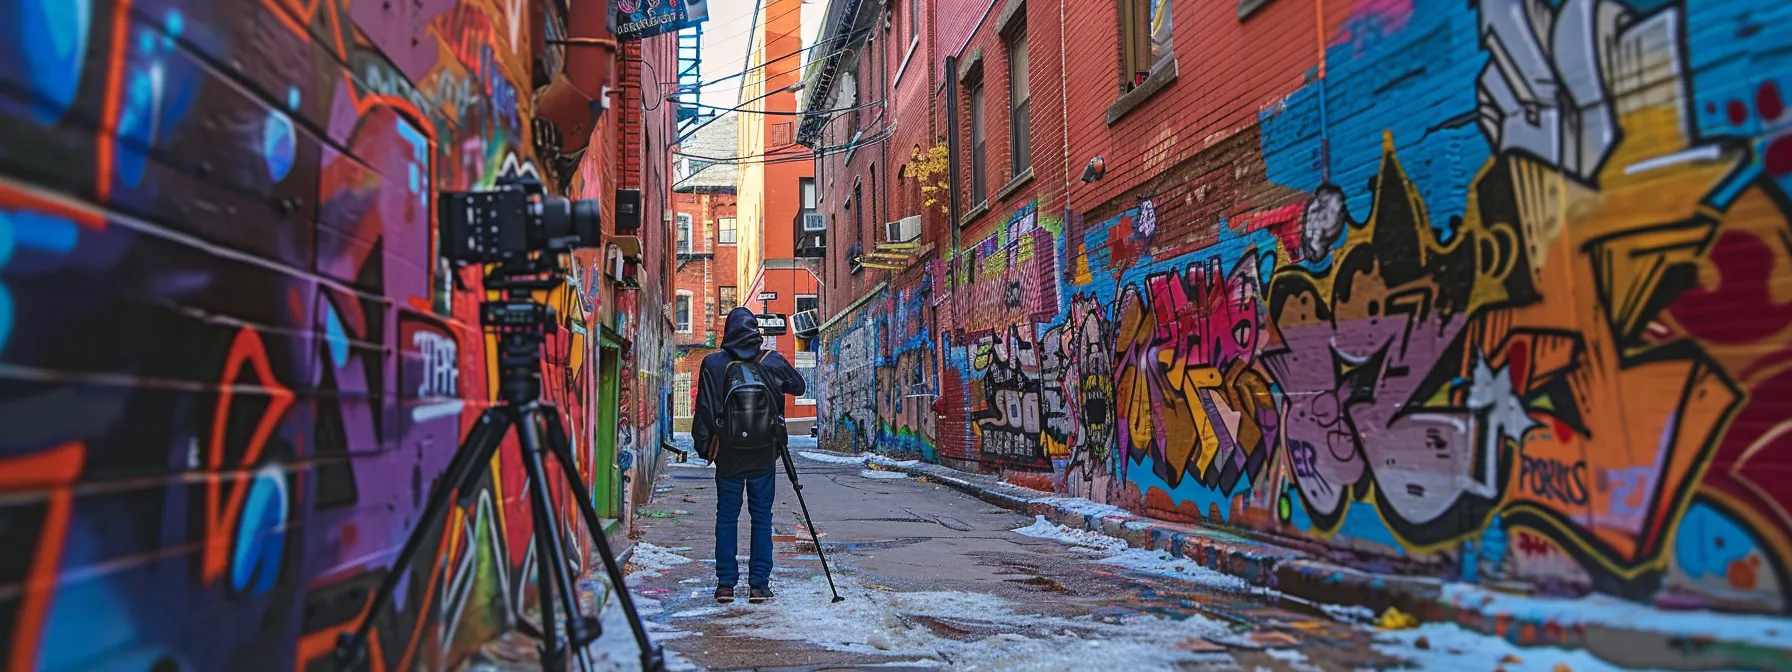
x=758, y=595
x=725, y=594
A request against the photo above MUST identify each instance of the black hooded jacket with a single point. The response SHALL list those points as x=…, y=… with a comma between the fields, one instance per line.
x=740, y=341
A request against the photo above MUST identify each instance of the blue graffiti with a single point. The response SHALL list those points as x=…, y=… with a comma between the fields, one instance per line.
x=7, y=238
x=157, y=95
x=336, y=336
x=1427, y=66
x=27, y=230
x=1709, y=541
x=1205, y=499
x=261, y=534
x=278, y=145
x=54, y=35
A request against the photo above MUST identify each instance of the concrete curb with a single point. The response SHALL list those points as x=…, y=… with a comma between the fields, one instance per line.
x=1291, y=572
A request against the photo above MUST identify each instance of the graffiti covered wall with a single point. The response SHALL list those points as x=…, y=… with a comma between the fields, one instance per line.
x=1526, y=316
x=240, y=193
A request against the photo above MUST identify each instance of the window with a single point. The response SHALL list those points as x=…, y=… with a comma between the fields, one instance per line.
x=726, y=299
x=808, y=186
x=914, y=19
x=979, y=186
x=681, y=312
x=807, y=302
x=1144, y=38
x=852, y=117
x=725, y=230
x=873, y=205
x=858, y=217
x=1020, y=143
x=684, y=233
x=681, y=395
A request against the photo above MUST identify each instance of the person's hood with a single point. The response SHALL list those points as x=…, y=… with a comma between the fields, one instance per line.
x=740, y=337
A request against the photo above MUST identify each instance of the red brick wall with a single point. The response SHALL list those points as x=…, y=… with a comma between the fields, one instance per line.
x=710, y=267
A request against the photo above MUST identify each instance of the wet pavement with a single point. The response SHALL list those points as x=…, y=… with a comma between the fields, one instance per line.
x=936, y=578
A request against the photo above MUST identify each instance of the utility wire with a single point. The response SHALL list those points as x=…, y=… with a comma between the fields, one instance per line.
x=743, y=104
x=866, y=106
x=769, y=158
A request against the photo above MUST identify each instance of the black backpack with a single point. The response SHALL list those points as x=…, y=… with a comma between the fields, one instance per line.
x=749, y=416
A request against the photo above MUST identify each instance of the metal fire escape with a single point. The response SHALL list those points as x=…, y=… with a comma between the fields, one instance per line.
x=690, y=79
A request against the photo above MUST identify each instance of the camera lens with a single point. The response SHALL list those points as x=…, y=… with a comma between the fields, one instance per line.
x=555, y=220
x=587, y=222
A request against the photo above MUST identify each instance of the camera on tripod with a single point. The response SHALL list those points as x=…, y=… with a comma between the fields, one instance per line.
x=513, y=219
x=506, y=227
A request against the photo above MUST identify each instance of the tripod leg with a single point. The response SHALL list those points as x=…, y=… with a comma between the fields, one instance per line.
x=463, y=471
x=550, y=557
x=790, y=469
x=652, y=659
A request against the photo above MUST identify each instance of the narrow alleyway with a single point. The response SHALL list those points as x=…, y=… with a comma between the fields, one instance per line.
x=937, y=579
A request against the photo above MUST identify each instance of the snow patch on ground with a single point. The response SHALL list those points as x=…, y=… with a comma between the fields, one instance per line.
x=893, y=624
x=888, y=462
x=692, y=465
x=650, y=560
x=1619, y=614
x=1452, y=648
x=616, y=650
x=1353, y=613
x=832, y=458
x=1117, y=553
x=1163, y=564
x=886, y=475
x=1043, y=529
x=1086, y=507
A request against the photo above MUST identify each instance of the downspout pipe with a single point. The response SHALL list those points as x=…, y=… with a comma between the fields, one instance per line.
x=573, y=100
x=953, y=205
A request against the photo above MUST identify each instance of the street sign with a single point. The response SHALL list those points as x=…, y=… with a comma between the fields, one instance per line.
x=771, y=324
x=768, y=296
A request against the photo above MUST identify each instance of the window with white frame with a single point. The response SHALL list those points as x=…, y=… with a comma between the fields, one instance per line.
x=681, y=312
x=725, y=230
x=684, y=233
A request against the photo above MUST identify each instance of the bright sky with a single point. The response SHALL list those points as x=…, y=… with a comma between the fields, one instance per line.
x=725, y=45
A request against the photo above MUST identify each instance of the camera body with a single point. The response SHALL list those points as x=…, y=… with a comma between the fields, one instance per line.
x=514, y=219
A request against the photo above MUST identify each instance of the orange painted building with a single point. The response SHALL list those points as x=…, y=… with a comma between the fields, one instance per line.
x=774, y=187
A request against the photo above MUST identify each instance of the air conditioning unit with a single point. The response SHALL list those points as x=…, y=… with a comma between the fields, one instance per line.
x=903, y=230
x=815, y=221
x=803, y=324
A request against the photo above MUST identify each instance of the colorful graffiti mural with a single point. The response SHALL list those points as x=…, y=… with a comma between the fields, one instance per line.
x=1556, y=354
x=230, y=371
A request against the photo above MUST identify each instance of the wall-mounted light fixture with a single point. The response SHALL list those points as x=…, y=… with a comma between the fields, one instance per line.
x=1097, y=168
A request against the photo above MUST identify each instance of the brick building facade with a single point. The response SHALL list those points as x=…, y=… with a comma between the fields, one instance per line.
x=1405, y=279
x=706, y=232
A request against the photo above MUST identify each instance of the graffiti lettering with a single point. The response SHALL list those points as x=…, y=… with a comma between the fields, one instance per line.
x=1554, y=479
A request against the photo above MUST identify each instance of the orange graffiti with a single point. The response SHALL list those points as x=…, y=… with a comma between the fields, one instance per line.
x=247, y=348
x=54, y=470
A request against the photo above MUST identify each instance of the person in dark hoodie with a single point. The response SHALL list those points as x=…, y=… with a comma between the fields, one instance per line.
x=737, y=470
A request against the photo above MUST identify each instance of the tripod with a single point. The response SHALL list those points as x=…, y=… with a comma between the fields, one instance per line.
x=520, y=325
x=790, y=470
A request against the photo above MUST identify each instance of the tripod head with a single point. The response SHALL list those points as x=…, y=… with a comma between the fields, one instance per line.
x=519, y=322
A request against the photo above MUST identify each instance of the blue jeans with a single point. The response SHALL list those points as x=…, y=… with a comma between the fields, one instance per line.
x=760, y=493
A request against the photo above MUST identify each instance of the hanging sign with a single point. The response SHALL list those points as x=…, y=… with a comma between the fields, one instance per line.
x=641, y=19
